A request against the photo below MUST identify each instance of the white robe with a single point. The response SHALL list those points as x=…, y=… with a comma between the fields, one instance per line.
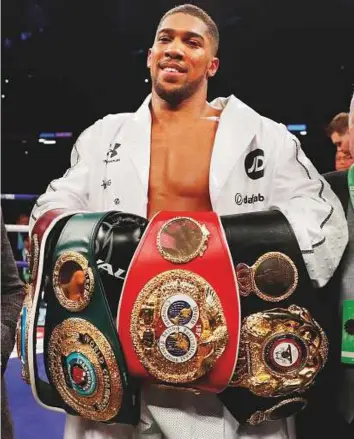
x=256, y=165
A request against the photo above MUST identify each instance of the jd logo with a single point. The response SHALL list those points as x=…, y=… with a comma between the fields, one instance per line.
x=240, y=199
x=254, y=164
x=109, y=269
x=112, y=152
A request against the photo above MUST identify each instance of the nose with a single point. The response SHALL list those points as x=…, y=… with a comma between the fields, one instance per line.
x=174, y=50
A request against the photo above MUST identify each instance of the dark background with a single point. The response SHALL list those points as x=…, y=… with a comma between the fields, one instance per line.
x=70, y=62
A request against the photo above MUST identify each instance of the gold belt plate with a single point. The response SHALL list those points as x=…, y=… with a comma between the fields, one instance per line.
x=84, y=370
x=178, y=327
x=281, y=351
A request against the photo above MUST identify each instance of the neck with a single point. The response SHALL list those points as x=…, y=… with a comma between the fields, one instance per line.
x=192, y=108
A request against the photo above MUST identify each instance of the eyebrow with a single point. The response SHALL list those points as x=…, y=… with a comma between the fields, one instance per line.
x=188, y=33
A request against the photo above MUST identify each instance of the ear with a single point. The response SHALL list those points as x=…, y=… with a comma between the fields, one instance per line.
x=213, y=68
x=148, y=61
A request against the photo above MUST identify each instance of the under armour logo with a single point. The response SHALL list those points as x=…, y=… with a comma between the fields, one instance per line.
x=112, y=152
x=254, y=164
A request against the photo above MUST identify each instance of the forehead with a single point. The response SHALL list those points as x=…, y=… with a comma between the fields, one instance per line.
x=184, y=23
x=336, y=137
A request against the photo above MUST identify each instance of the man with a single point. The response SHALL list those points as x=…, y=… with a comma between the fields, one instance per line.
x=180, y=153
x=12, y=295
x=338, y=131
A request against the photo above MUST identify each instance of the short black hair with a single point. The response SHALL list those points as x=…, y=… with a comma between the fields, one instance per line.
x=339, y=124
x=195, y=11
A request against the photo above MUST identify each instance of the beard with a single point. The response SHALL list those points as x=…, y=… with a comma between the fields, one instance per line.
x=179, y=94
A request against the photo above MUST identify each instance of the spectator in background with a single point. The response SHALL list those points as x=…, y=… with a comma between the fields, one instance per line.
x=338, y=131
x=12, y=295
x=351, y=127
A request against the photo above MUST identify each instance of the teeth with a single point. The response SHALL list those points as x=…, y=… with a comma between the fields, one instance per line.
x=171, y=69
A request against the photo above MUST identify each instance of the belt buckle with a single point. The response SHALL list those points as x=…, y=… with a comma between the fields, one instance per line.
x=178, y=327
x=281, y=351
x=83, y=368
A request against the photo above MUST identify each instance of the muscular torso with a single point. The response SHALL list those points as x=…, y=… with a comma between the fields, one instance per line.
x=180, y=164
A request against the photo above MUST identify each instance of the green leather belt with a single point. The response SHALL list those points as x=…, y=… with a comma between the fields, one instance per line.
x=83, y=355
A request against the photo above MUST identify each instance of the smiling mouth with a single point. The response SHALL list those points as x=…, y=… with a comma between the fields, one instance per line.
x=170, y=74
x=171, y=70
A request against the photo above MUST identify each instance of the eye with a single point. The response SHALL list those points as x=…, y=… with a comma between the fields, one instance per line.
x=163, y=39
x=193, y=43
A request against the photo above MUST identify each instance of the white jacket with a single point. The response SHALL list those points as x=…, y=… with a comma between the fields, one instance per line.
x=256, y=165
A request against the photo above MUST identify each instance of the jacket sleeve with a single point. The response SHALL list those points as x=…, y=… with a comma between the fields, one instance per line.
x=311, y=207
x=72, y=189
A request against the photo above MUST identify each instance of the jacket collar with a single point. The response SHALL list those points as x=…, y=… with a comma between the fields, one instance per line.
x=237, y=127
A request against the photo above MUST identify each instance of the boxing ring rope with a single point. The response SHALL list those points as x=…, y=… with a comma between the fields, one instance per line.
x=18, y=227
x=19, y=197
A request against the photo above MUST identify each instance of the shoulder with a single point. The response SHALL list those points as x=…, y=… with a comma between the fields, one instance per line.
x=111, y=121
x=276, y=130
x=114, y=119
x=107, y=124
x=265, y=129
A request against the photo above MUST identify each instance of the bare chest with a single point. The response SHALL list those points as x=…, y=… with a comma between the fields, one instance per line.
x=180, y=160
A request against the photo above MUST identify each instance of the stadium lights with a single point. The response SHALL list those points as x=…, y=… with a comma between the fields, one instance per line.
x=52, y=135
x=297, y=127
x=47, y=142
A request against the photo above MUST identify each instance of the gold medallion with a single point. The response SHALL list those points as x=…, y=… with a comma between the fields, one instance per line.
x=84, y=370
x=73, y=281
x=182, y=239
x=178, y=327
x=284, y=409
x=274, y=277
x=22, y=333
x=281, y=351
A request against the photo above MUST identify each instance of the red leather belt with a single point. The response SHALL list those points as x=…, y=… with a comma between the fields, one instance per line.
x=39, y=229
x=179, y=314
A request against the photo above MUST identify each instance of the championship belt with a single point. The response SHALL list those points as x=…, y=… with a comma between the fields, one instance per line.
x=179, y=314
x=282, y=349
x=82, y=353
x=26, y=340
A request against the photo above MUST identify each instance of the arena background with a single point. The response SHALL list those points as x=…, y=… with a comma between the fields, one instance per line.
x=66, y=63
